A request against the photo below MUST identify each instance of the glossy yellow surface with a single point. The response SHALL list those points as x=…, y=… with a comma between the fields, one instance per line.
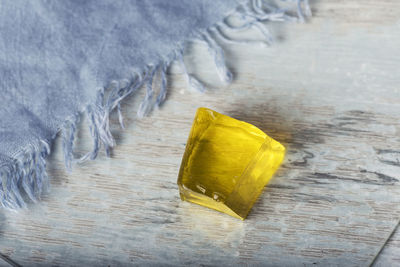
x=227, y=163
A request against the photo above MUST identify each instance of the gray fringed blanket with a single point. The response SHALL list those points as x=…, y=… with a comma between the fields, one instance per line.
x=61, y=58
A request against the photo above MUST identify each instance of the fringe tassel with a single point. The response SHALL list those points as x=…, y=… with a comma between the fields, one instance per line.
x=68, y=136
x=163, y=90
x=193, y=83
x=25, y=177
x=146, y=105
x=218, y=53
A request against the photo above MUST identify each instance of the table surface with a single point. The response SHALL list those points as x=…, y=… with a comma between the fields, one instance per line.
x=328, y=90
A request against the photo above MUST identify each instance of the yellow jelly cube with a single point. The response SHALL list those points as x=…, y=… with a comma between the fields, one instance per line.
x=227, y=163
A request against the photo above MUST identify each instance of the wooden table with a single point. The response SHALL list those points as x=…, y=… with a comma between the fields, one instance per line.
x=329, y=90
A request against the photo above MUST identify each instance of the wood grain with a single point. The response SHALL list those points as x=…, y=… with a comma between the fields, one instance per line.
x=328, y=90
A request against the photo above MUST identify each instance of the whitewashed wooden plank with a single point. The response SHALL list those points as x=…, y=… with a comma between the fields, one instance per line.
x=389, y=256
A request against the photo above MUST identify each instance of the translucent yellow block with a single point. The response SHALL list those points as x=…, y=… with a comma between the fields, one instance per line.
x=227, y=163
